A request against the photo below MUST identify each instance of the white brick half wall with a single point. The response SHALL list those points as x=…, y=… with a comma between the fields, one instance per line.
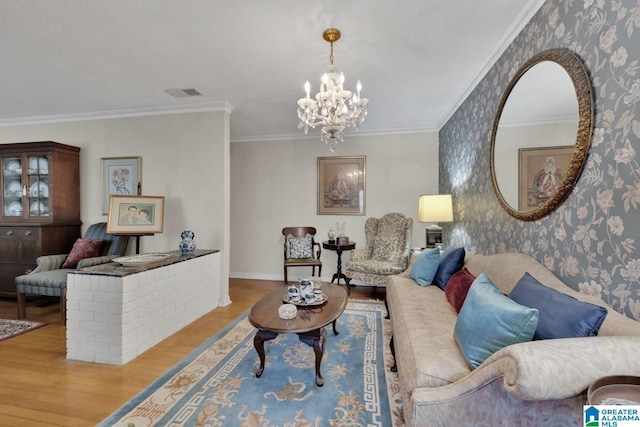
x=113, y=319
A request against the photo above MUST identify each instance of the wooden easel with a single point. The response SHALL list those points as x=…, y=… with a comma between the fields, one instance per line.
x=137, y=236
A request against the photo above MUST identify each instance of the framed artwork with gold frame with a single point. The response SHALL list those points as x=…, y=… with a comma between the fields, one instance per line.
x=341, y=185
x=541, y=172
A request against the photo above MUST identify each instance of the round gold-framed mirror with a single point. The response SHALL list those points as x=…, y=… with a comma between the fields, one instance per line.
x=547, y=168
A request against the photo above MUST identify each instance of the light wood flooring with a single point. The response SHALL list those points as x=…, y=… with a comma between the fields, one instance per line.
x=40, y=387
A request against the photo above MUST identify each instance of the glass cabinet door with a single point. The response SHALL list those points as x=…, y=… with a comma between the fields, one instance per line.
x=13, y=186
x=38, y=185
x=26, y=186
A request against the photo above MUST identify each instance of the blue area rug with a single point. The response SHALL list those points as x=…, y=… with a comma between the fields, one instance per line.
x=216, y=385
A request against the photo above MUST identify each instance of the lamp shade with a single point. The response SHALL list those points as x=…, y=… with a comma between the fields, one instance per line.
x=435, y=208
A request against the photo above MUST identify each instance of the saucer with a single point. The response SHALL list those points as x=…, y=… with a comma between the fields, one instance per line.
x=304, y=303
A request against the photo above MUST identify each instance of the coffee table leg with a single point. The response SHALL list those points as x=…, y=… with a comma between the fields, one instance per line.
x=258, y=343
x=335, y=331
x=318, y=348
x=316, y=339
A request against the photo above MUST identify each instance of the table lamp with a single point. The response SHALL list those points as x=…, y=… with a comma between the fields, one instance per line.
x=435, y=208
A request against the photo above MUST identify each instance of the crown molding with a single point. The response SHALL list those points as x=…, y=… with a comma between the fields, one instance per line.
x=316, y=136
x=124, y=113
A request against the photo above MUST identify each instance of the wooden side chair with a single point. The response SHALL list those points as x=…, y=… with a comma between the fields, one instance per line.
x=301, y=249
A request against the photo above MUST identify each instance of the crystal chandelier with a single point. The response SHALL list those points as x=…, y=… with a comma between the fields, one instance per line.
x=333, y=108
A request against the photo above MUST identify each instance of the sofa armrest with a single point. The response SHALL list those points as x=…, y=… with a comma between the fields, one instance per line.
x=546, y=369
x=49, y=262
x=88, y=262
x=360, y=255
x=559, y=368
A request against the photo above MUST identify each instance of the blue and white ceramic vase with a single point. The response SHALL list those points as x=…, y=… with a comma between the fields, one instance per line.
x=187, y=244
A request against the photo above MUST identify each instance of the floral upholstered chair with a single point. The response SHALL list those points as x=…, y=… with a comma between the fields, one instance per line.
x=49, y=278
x=387, y=251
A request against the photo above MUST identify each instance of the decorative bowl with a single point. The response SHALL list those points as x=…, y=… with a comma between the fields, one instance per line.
x=287, y=311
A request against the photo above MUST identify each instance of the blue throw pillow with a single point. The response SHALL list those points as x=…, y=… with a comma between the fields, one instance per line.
x=489, y=321
x=451, y=262
x=424, y=268
x=561, y=315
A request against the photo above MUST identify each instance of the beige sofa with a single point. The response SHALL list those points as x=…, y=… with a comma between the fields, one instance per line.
x=532, y=383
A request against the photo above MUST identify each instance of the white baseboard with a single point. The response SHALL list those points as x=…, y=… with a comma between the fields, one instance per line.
x=280, y=277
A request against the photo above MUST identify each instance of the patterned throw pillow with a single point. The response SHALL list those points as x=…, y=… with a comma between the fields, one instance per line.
x=300, y=247
x=82, y=248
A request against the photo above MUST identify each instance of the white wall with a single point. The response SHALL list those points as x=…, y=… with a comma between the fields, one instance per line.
x=185, y=157
x=238, y=197
x=274, y=185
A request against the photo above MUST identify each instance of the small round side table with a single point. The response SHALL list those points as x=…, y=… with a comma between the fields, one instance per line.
x=335, y=246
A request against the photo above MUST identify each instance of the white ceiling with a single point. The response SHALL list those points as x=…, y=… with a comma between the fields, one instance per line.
x=417, y=59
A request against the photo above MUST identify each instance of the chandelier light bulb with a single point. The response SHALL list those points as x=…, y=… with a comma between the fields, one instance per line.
x=333, y=108
x=307, y=88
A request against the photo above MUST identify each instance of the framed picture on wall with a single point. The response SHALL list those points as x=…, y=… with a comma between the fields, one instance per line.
x=341, y=185
x=135, y=215
x=541, y=172
x=121, y=176
x=433, y=237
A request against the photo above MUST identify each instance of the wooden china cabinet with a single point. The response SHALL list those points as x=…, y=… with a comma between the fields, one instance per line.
x=40, y=205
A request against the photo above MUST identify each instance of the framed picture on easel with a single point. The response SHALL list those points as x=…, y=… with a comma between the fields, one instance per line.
x=135, y=215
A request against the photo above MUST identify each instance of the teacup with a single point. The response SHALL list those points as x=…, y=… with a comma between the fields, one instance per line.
x=294, y=293
x=319, y=294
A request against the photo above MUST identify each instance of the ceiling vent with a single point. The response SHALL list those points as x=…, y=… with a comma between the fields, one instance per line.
x=183, y=93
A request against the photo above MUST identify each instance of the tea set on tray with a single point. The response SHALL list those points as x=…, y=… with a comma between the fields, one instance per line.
x=307, y=294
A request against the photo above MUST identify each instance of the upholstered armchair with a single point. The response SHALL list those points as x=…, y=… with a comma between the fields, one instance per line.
x=49, y=278
x=387, y=251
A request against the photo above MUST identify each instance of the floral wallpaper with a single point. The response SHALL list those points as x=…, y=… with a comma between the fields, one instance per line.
x=591, y=241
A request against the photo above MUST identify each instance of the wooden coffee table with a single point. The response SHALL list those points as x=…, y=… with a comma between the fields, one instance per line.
x=309, y=323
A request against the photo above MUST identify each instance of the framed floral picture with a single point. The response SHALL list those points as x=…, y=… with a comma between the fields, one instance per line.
x=341, y=185
x=135, y=215
x=121, y=176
